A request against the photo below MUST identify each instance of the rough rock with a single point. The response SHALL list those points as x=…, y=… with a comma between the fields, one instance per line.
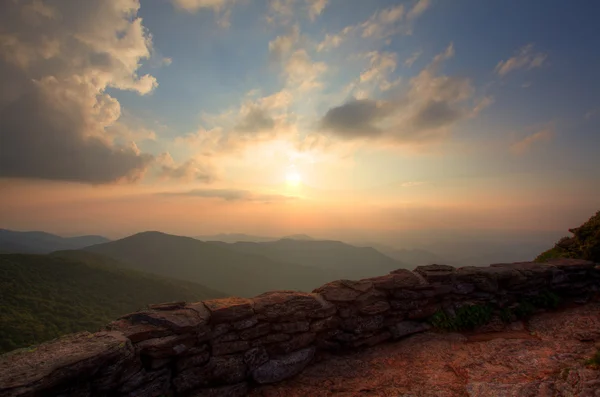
x=292, y=327
x=325, y=324
x=168, y=346
x=344, y=290
x=199, y=357
x=283, y=367
x=286, y=304
x=298, y=341
x=50, y=364
x=226, y=310
x=137, y=332
x=406, y=328
x=256, y=332
x=360, y=325
x=222, y=349
x=399, y=279
x=179, y=321
x=437, y=273
x=223, y=370
x=239, y=390
x=255, y=357
x=375, y=308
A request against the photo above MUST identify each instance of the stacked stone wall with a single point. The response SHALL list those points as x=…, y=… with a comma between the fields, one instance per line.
x=223, y=347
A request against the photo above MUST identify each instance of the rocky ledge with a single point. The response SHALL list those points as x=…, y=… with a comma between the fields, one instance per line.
x=230, y=347
x=545, y=356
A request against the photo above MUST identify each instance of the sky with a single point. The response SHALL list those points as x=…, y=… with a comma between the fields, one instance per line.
x=275, y=117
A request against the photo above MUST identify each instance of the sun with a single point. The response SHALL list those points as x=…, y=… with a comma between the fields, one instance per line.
x=293, y=178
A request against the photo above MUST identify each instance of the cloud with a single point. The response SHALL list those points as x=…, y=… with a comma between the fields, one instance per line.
x=592, y=113
x=418, y=9
x=413, y=58
x=302, y=73
x=232, y=195
x=221, y=8
x=56, y=61
x=524, y=58
x=419, y=113
x=190, y=170
x=380, y=65
x=256, y=120
x=282, y=46
x=525, y=144
x=356, y=118
x=380, y=25
x=315, y=8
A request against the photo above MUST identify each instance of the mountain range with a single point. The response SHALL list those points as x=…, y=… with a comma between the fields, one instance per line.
x=35, y=242
x=246, y=269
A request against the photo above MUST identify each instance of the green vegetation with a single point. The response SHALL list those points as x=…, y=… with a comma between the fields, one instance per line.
x=594, y=361
x=465, y=317
x=585, y=243
x=527, y=306
x=45, y=296
x=473, y=316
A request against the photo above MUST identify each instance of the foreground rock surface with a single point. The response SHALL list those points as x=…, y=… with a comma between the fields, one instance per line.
x=545, y=357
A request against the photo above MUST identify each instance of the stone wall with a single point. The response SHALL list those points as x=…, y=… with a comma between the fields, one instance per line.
x=222, y=347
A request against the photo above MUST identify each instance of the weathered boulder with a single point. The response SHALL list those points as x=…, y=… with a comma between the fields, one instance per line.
x=406, y=328
x=359, y=325
x=144, y=377
x=489, y=279
x=286, y=305
x=223, y=370
x=399, y=279
x=255, y=332
x=239, y=390
x=256, y=357
x=47, y=366
x=437, y=273
x=227, y=310
x=179, y=321
x=296, y=342
x=197, y=357
x=375, y=308
x=225, y=348
x=344, y=290
x=292, y=327
x=137, y=332
x=167, y=346
x=325, y=324
x=283, y=367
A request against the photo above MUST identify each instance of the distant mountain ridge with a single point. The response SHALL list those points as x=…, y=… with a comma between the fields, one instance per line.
x=245, y=268
x=210, y=264
x=343, y=260
x=37, y=242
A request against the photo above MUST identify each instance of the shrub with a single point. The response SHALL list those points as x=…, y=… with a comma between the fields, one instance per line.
x=466, y=317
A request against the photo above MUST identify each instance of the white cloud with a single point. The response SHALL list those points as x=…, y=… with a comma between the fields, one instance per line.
x=315, y=8
x=382, y=23
x=221, y=8
x=525, y=58
x=524, y=145
x=413, y=58
x=422, y=112
x=56, y=62
x=302, y=73
x=418, y=9
x=282, y=46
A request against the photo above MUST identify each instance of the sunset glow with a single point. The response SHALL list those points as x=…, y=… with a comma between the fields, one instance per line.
x=202, y=117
